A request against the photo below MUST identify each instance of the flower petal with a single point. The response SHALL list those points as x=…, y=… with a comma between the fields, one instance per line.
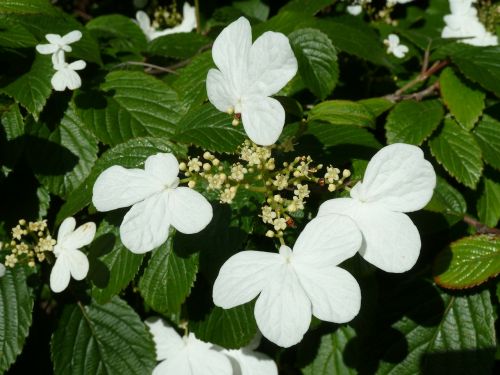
x=327, y=241
x=46, y=49
x=146, y=224
x=243, y=277
x=78, y=263
x=189, y=211
x=143, y=20
x=54, y=38
x=167, y=341
x=60, y=275
x=271, y=64
x=283, y=310
x=334, y=293
x=248, y=362
x=73, y=80
x=163, y=167
x=77, y=65
x=82, y=236
x=397, y=177
x=263, y=119
x=72, y=36
x=220, y=92
x=66, y=228
x=59, y=80
x=119, y=187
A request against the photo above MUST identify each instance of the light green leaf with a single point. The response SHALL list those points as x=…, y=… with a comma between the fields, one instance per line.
x=102, y=339
x=112, y=265
x=168, y=278
x=330, y=358
x=342, y=112
x=16, y=305
x=465, y=103
x=135, y=105
x=317, y=60
x=488, y=205
x=377, y=106
x=468, y=262
x=487, y=135
x=210, y=129
x=332, y=135
x=33, y=88
x=179, y=46
x=413, y=122
x=230, y=329
x=458, y=152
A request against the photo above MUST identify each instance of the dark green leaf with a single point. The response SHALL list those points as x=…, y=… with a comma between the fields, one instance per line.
x=306, y=6
x=488, y=205
x=253, y=8
x=26, y=6
x=487, y=135
x=179, y=46
x=377, y=106
x=342, y=112
x=332, y=135
x=13, y=35
x=447, y=200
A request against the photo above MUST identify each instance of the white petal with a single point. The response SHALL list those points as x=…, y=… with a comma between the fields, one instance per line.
x=248, y=362
x=78, y=263
x=283, y=310
x=143, y=20
x=397, y=177
x=263, y=119
x=220, y=92
x=82, y=236
x=334, y=293
x=77, y=65
x=46, y=49
x=163, y=167
x=243, y=277
x=271, y=64
x=73, y=80
x=391, y=241
x=58, y=60
x=167, y=341
x=2, y=270
x=54, y=38
x=72, y=36
x=189, y=211
x=59, y=80
x=327, y=241
x=119, y=187
x=393, y=39
x=60, y=275
x=230, y=51
x=146, y=225
x=66, y=228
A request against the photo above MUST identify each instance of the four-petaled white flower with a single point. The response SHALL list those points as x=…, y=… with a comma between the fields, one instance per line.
x=59, y=45
x=70, y=261
x=186, y=355
x=188, y=23
x=398, y=179
x=156, y=199
x=66, y=75
x=394, y=47
x=292, y=284
x=247, y=75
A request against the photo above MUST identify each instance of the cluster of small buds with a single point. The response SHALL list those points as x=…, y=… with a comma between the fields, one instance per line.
x=30, y=243
x=333, y=178
x=166, y=16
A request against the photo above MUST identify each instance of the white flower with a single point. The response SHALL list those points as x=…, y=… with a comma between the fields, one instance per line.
x=246, y=361
x=188, y=23
x=398, y=179
x=66, y=75
x=2, y=270
x=293, y=284
x=394, y=2
x=70, y=261
x=186, y=355
x=58, y=44
x=393, y=46
x=156, y=199
x=354, y=9
x=247, y=75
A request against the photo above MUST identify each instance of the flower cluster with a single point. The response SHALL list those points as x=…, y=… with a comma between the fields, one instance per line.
x=66, y=75
x=463, y=22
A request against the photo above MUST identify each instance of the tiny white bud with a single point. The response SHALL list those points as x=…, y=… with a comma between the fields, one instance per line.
x=191, y=184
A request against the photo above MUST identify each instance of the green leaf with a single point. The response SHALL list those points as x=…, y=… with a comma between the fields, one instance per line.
x=73, y=161
x=26, y=6
x=332, y=135
x=102, y=339
x=306, y=6
x=479, y=64
x=135, y=105
x=448, y=334
x=210, y=129
x=231, y=329
x=179, y=46
x=168, y=278
x=488, y=205
x=342, y=112
x=112, y=265
x=33, y=88
x=465, y=103
x=253, y=8
x=377, y=106
x=487, y=135
x=131, y=154
x=413, y=122
x=317, y=60
x=468, y=262
x=330, y=358
x=13, y=127
x=284, y=22
x=13, y=35
x=16, y=305
x=458, y=152
x=447, y=200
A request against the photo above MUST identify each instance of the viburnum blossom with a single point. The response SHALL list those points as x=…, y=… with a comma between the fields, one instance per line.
x=394, y=46
x=247, y=361
x=66, y=75
x=70, y=261
x=157, y=202
x=59, y=45
x=247, y=75
x=293, y=284
x=398, y=179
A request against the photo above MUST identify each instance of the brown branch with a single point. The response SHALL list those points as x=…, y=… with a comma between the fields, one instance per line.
x=480, y=227
x=428, y=91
